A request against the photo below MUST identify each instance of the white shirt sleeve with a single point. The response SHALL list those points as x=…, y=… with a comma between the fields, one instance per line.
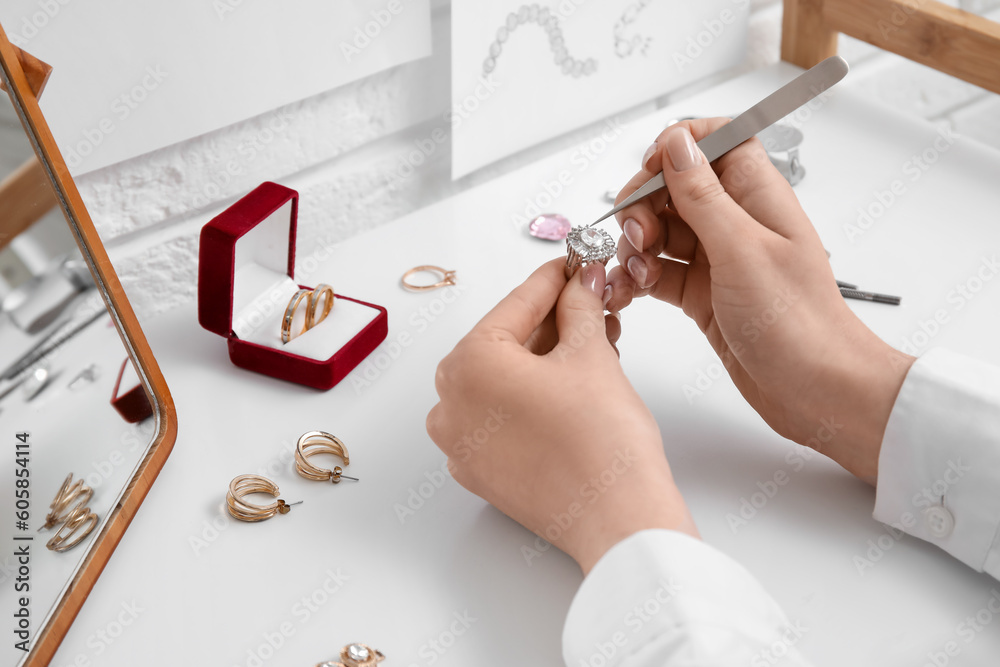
x=939, y=468
x=661, y=597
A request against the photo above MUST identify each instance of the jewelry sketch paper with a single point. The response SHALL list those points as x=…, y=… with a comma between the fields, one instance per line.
x=132, y=76
x=524, y=72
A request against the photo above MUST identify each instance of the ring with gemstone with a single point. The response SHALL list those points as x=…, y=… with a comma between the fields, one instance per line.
x=447, y=278
x=586, y=245
x=355, y=655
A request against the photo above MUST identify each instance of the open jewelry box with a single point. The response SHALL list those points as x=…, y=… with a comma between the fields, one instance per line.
x=246, y=270
x=128, y=397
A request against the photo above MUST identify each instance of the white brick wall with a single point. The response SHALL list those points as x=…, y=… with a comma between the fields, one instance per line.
x=341, y=149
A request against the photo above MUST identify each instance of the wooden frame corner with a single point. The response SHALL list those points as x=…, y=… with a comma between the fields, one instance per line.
x=950, y=40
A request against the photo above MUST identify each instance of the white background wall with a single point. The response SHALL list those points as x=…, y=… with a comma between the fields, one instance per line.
x=342, y=149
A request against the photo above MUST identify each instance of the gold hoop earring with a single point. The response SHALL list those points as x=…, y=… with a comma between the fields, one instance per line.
x=244, y=485
x=289, y=316
x=322, y=290
x=319, y=442
x=68, y=498
x=75, y=521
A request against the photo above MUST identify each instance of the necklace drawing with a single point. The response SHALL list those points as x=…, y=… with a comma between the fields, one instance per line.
x=626, y=47
x=549, y=22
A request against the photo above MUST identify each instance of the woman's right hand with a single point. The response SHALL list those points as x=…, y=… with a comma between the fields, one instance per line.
x=732, y=247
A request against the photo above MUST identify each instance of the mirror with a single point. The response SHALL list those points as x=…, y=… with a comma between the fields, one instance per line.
x=80, y=393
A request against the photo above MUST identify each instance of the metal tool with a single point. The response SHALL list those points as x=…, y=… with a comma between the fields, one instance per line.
x=757, y=118
x=49, y=344
x=862, y=295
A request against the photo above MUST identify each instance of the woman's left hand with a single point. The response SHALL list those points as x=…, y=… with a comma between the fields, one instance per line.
x=537, y=417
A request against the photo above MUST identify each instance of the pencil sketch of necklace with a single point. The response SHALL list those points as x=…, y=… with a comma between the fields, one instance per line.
x=549, y=22
x=628, y=46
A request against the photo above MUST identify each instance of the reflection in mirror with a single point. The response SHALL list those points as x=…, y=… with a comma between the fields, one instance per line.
x=61, y=363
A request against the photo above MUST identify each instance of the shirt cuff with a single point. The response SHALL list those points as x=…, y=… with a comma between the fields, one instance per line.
x=939, y=467
x=662, y=596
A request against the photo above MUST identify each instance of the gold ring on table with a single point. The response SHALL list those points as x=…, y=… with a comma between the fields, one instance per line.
x=70, y=496
x=322, y=290
x=320, y=442
x=356, y=655
x=289, y=316
x=447, y=278
x=75, y=521
x=244, y=485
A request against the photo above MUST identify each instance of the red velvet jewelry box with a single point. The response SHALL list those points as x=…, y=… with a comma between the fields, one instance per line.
x=246, y=267
x=133, y=405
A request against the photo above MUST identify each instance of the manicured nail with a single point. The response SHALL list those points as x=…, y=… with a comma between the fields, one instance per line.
x=637, y=269
x=684, y=154
x=608, y=293
x=594, y=278
x=649, y=153
x=633, y=232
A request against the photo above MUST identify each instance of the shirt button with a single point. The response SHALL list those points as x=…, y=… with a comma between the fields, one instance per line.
x=939, y=521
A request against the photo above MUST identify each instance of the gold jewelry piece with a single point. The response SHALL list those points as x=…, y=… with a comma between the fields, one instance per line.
x=321, y=290
x=355, y=655
x=293, y=305
x=319, y=442
x=75, y=521
x=447, y=278
x=244, y=485
x=70, y=496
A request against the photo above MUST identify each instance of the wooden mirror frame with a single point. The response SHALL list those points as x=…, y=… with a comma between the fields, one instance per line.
x=931, y=33
x=51, y=631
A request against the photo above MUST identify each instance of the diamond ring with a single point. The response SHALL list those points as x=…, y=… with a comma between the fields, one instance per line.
x=585, y=245
x=355, y=655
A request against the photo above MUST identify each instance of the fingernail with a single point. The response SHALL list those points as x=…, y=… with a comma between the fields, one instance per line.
x=618, y=315
x=633, y=232
x=593, y=277
x=637, y=269
x=608, y=293
x=649, y=153
x=683, y=152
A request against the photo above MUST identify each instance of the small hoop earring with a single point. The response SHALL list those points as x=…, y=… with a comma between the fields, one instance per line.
x=320, y=442
x=244, y=485
x=69, y=497
x=75, y=521
x=321, y=290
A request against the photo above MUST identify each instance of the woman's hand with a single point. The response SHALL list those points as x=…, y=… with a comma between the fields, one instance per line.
x=733, y=248
x=537, y=417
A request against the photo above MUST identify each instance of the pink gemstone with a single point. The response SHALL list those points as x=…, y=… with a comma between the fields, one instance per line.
x=550, y=226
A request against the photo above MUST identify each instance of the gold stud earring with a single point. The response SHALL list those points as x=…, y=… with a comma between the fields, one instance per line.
x=244, y=485
x=319, y=442
x=70, y=496
x=79, y=517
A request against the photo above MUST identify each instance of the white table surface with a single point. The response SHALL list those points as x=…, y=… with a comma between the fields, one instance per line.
x=400, y=586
